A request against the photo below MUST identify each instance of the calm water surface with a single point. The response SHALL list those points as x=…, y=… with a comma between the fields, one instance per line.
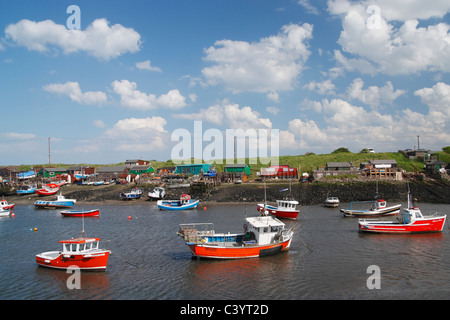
x=328, y=258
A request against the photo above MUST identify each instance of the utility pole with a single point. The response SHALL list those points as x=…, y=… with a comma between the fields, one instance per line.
x=49, y=160
x=418, y=144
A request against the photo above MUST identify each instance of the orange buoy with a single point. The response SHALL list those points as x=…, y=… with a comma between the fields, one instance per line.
x=129, y=217
x=204, y=208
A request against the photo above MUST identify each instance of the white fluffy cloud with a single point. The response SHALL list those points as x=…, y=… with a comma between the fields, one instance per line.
x=436, y=98
x=98, y=39
x=355, y=127
x=141, y=134
x=269, y=65
x=373, y=96
x=230, y=115
x=369, y=32
x=130, y=97
x=73, y=90
x=146, y=65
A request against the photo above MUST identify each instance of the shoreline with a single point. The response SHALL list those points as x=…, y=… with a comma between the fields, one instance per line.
x=429, y=191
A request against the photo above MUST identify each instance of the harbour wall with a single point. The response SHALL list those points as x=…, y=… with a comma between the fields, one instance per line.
x=432, y=191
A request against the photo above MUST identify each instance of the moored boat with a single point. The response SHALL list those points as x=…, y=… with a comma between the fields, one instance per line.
x=410, y=221
x=264, y=235
x=185, y=202
x=4, y=205
x=135, y=193
x=286, y=209
x=81, y=213
x=60, y=202
x=331, y=202
x=82, y=252
x=26, y=189
x=379, y=208
x=48, y=189
x=157, y=193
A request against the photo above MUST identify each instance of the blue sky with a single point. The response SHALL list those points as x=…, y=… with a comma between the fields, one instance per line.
x=324, y=74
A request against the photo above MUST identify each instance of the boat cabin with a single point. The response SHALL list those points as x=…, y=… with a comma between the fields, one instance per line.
x=79, y=245
x=410, y=215
x=262, y=229
x=379, y=204
x=288, y=205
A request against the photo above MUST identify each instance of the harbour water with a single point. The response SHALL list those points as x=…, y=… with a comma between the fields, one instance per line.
x=328, y=258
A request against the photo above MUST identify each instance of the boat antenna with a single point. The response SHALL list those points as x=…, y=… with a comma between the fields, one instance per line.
x=82, y=233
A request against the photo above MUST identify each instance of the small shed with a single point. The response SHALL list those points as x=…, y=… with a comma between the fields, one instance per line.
x=237, y=168
x=193, y=168
x=51, y=172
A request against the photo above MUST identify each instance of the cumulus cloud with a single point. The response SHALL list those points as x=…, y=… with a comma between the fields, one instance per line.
x=130, y=97
x=142, y=134
x=146, y=65
x=99, y=39
x=73, y=90
x=230, y=115
x=373, y=96
x=387, y=36
x=324, y=87
x=269, y=65
x=355, y=127
x=436, y=98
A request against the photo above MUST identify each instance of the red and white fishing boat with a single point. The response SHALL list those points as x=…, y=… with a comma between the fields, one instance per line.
x=81, y=213
x=263, y=236
x=410, y=221
x=4, y=205
x=83, y=252
x=286, y=209
x=48, y=189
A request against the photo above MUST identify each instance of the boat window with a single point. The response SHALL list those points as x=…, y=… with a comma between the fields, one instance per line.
x=82, y=246
x=67, y=247
x=265, y=229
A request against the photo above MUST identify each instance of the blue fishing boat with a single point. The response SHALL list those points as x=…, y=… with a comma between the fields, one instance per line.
x=135, y=193
x=26, y=189
x=60, y=202
x=184, y=203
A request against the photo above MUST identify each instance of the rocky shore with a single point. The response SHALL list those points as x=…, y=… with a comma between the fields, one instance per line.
x=431, y=191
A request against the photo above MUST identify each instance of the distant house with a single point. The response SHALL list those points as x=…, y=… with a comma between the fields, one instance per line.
x=112, y=172
x=435, y=166
x=138, y=169
x=421, y=154
x=51, y=172
x=335, y=169
x=338, y=166
x=234, y=172
x=279, y=172
x=237, y=168
x=192, y=169
x=138, y=162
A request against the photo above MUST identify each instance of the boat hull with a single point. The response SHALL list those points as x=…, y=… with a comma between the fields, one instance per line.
x=285, y=214
x=81, y=213
x=435, y=224
x=243, y=252
x=43, y=192
x=5, y=213
x=388, y=211
x=56, y=260
x=53, y=204
x=175, y=205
